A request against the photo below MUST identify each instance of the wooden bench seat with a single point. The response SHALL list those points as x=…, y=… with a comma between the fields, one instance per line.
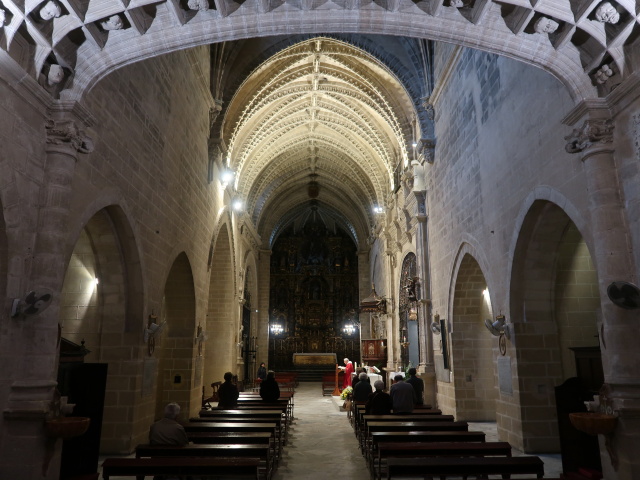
x=372, y=427
x=443, y=467
x=226, y=450
x=239, y=417
x=388, y=450
x=419, y=436
x=361, y=427
x=199, y=466
x=235, y=427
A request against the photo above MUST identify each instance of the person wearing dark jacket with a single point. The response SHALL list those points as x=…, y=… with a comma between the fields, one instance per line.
x=269, y=389
x=362, y=389
x=379, y=402
x=262, y=371
x=417, y=384
x=228, y=393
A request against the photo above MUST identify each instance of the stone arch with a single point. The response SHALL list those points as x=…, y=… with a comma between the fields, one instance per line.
x=473, y=349
x=101, y=303
x=221, y=320
x=554, y=305
x=449, y=26
x=175, y=347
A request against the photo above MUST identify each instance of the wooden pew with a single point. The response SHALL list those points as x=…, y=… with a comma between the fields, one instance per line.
x=419, y=436
x=424, y=449
x=360, y=432
x=198, y=466
x=228, y=450
x=372, y=427
x=329, y=383
x=464, y=466
x=255, y=400
x=248, y=416
x=235, y=427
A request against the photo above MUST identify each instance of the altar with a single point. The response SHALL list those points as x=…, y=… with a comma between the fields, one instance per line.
x=302, y=359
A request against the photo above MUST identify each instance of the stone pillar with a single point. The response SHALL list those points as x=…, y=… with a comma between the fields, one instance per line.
x=613, y=259
x=364, y=288
x=393, y=327
x=32, y=398
x=264, y=270
x=426, y=367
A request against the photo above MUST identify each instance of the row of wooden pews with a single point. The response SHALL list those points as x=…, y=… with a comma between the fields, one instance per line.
x=245, y=442
x=431, y=445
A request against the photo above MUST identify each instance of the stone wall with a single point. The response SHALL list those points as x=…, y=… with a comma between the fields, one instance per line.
x=499, y=140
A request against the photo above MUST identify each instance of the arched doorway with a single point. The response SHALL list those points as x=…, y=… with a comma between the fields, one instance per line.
x=175, y=347
x=221, y=352
x=100, y=308
x=555, y=306
x=473, y=349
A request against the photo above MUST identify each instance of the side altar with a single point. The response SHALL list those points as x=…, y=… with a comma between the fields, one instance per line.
x=303, y=359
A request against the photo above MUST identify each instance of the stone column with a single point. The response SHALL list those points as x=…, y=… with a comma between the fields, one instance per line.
x=426, y=367
x=264, y=270
x=613, y=259
x=32, y=398
x=393, y=327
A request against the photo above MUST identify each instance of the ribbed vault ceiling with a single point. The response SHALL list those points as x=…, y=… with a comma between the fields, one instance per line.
x=321, y=111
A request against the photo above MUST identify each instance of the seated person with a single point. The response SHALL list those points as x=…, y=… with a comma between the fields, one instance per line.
x=356, y=378
x=379, y=402
x=228, y=393
x=269, y=389
x=168, y=431
x=362, y=389
x=403, y=396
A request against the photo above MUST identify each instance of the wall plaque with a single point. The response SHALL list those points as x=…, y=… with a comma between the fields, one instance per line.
x=150, y=367
x=504, y=375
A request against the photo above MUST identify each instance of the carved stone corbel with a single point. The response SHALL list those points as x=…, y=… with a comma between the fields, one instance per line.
x=66, y=133
x=426, y=150
x=429, y=108
x=592, y=133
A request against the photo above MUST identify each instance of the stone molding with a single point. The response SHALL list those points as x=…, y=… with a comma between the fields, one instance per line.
x=598, y=132
x=66, y=133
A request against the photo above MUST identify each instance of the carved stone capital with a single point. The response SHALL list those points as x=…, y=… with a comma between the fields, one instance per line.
x=429, y=108
x=66, y=133
x=592, y=133
x=426, y=150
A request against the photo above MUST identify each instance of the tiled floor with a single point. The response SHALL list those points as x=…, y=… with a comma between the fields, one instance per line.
x=322, y=444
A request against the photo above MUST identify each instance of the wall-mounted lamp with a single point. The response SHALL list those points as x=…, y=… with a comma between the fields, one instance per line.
x=238, y=205
x=226, y=177
x=150, y=332
x=499, y=328
x=377, y=209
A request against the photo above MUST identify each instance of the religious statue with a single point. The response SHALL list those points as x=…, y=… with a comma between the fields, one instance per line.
x=545, y=25
x=198, y=5
x=603, y=74
x=56, y=74
x=3, y=17
x=114, y=22
x=606, y=13
x=50, y=10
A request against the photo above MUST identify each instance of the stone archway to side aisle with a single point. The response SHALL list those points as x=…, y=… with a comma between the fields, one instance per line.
x=473, y=348
x=555, y=305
